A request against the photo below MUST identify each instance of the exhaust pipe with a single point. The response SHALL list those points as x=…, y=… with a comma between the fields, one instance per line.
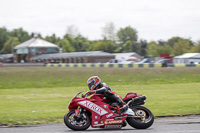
x=137, y=100
x=141, y=98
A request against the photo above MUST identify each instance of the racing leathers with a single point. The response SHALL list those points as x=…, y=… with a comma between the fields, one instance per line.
x=105, y=90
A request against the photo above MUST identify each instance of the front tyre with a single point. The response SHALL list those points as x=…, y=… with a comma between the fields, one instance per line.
x=143, y=119
x=77, y=123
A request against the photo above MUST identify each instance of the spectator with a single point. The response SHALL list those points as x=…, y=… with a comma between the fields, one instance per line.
x=22, y=61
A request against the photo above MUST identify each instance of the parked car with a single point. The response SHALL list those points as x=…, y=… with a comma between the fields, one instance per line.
x=145, y=60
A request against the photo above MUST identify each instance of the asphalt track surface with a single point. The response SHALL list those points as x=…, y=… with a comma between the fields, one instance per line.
x=189, y=124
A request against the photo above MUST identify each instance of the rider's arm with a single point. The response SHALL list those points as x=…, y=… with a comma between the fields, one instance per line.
x=101, y=90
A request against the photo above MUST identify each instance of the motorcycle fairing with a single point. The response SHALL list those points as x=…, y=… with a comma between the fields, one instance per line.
x=101, y=114
x=110, y=118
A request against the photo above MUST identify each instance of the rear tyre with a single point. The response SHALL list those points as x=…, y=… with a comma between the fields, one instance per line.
x=77, y=123
x=144, y=118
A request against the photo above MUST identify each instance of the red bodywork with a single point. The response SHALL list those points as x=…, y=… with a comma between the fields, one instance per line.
x=102, y=116
x=130, y=95
x=167, y=56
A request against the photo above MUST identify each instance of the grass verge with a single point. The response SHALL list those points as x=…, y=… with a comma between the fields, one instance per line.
x=44, y=105
x=76, y=77
x=41, y=95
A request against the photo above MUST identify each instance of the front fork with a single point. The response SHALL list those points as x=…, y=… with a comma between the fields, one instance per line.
x=78, y=112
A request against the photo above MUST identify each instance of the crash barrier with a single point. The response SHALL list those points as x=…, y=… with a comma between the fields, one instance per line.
x=145, y=65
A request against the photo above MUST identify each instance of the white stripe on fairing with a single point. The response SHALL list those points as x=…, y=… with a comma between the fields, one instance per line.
x=98, y=125
x=93, y=107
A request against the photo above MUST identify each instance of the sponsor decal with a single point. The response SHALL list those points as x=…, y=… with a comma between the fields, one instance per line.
x=113, y=126
x=93, y=107
x=130, y=95
x=98, y=125
x=113, y=122
x=109, y=115
x=96, y=122
x=109, y=120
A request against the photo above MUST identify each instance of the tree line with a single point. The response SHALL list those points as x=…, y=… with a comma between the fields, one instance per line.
x=113, y=41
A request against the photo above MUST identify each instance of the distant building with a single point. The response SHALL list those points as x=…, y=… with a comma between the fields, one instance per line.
x=33, y=47
x=75, y=57
x=132, y=56
x=187, y=58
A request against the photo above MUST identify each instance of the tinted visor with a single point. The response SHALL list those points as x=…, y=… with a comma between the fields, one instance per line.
x=91, y=84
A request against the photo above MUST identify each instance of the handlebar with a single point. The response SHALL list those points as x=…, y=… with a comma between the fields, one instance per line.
x=84, y=96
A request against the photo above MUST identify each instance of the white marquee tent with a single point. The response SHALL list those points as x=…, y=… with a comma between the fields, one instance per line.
x=187, y=58
x=127, y=56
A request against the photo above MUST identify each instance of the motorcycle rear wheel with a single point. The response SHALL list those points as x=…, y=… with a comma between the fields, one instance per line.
x=144, y=118
x=77, y=124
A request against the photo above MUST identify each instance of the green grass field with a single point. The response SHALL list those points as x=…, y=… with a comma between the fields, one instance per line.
x=41, y=95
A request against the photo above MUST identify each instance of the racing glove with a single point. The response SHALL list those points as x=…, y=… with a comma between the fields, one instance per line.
x=90, y=92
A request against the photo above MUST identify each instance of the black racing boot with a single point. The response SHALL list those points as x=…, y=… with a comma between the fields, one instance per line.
x=124, y=123
x=123, y=109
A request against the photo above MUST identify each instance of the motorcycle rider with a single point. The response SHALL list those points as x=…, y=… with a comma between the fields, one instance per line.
x=96, y=87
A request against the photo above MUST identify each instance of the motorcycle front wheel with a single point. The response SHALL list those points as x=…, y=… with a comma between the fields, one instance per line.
x=144, y=118
x=78, y=123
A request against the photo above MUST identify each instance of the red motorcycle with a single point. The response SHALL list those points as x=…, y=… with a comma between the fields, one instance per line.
x=99, y=112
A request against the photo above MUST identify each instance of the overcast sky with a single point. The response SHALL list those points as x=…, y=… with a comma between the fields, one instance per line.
x=153, y=19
